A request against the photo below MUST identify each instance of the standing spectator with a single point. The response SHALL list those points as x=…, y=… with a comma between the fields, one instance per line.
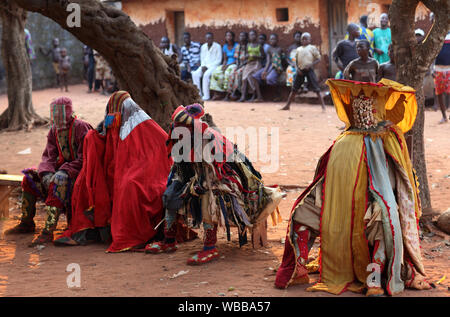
x=189, y=59
x=441, y=75
x=100, y=71
x=345, y=50
x=210, y=58
x=364, y=68
x=55, y=51
x=219, y=77
x=91, y=67
x=387, y=70
x=29, y=46
x=382, y=39
x=269, y=74
x=168, y=48
x=64, y=69
x=364, y=32
x=307, y=57
x=291, y=54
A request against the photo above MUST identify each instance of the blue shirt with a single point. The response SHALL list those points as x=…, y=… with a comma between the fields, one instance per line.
x=229, y=54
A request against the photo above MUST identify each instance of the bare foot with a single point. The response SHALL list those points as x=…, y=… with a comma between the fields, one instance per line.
x=286, y=108
x=374, y=291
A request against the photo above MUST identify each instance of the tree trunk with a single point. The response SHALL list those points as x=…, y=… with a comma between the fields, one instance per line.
x=20, y=113
x=140, y=68
x=412, y=61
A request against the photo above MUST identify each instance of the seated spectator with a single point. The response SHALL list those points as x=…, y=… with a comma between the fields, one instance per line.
x=189, y=58
x=364, y=68
x=307, y=57
x=262, y=39
x=219, y=77
x=270, y=73
x=235, y=77
x=255, y=53
x=210, y=58
x=168, y=48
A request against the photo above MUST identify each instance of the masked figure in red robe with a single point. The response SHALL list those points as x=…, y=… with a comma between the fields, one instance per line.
x=55, y=176
x=118, y=196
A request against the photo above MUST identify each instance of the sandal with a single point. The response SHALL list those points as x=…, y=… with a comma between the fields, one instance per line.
x=160, y=247
x=203, y=257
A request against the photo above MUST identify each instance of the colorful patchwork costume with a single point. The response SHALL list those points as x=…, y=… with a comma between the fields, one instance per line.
x=363, y=202
x=220, y=190
x=53, y=180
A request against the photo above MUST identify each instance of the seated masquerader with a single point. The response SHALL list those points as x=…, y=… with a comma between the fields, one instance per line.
x=219, y=188
x=363, y=202
x=118, y=193
x=53, y=180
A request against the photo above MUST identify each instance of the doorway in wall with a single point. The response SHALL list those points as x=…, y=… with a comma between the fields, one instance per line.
x=337, y=26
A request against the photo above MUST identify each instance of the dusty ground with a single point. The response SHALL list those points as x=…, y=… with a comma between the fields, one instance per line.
x=304, y=134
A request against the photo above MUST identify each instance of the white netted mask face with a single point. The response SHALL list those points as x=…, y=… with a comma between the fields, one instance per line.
x=363, y=117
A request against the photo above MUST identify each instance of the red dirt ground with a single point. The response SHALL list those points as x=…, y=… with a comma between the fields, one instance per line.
x=304, y=134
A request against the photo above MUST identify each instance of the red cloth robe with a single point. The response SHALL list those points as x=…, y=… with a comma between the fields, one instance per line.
x=121, y=184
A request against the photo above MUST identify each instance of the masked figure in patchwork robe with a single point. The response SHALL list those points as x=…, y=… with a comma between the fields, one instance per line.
x=53, y=180
x=117, y=198
x=363, y=202
x=211, y=183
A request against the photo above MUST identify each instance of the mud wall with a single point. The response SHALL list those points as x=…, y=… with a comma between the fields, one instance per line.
x=43, y=30
x=202, y=16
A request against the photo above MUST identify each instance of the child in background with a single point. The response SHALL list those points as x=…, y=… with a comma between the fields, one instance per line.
x=307, y=57
x=64, y=67
x=364, y=68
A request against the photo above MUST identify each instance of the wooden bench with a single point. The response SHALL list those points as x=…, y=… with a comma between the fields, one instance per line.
x=7, y=185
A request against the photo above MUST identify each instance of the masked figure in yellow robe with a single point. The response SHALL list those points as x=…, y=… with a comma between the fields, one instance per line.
x=363, y=202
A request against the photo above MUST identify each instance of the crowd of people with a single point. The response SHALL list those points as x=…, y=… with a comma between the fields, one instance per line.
x=237, y=69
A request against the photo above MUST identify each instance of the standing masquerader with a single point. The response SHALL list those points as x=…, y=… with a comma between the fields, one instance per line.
x=364, y=200
x=210, y=58
x=118, y=196
x=55, y=176
x=364, y=68
x=382, y=39
x=255, y=53
x=220, y=76
x=213, y=184
x=273, y=69
x=307, y=56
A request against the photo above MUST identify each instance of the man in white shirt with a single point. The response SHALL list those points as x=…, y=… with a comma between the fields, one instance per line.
x=210, y=58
